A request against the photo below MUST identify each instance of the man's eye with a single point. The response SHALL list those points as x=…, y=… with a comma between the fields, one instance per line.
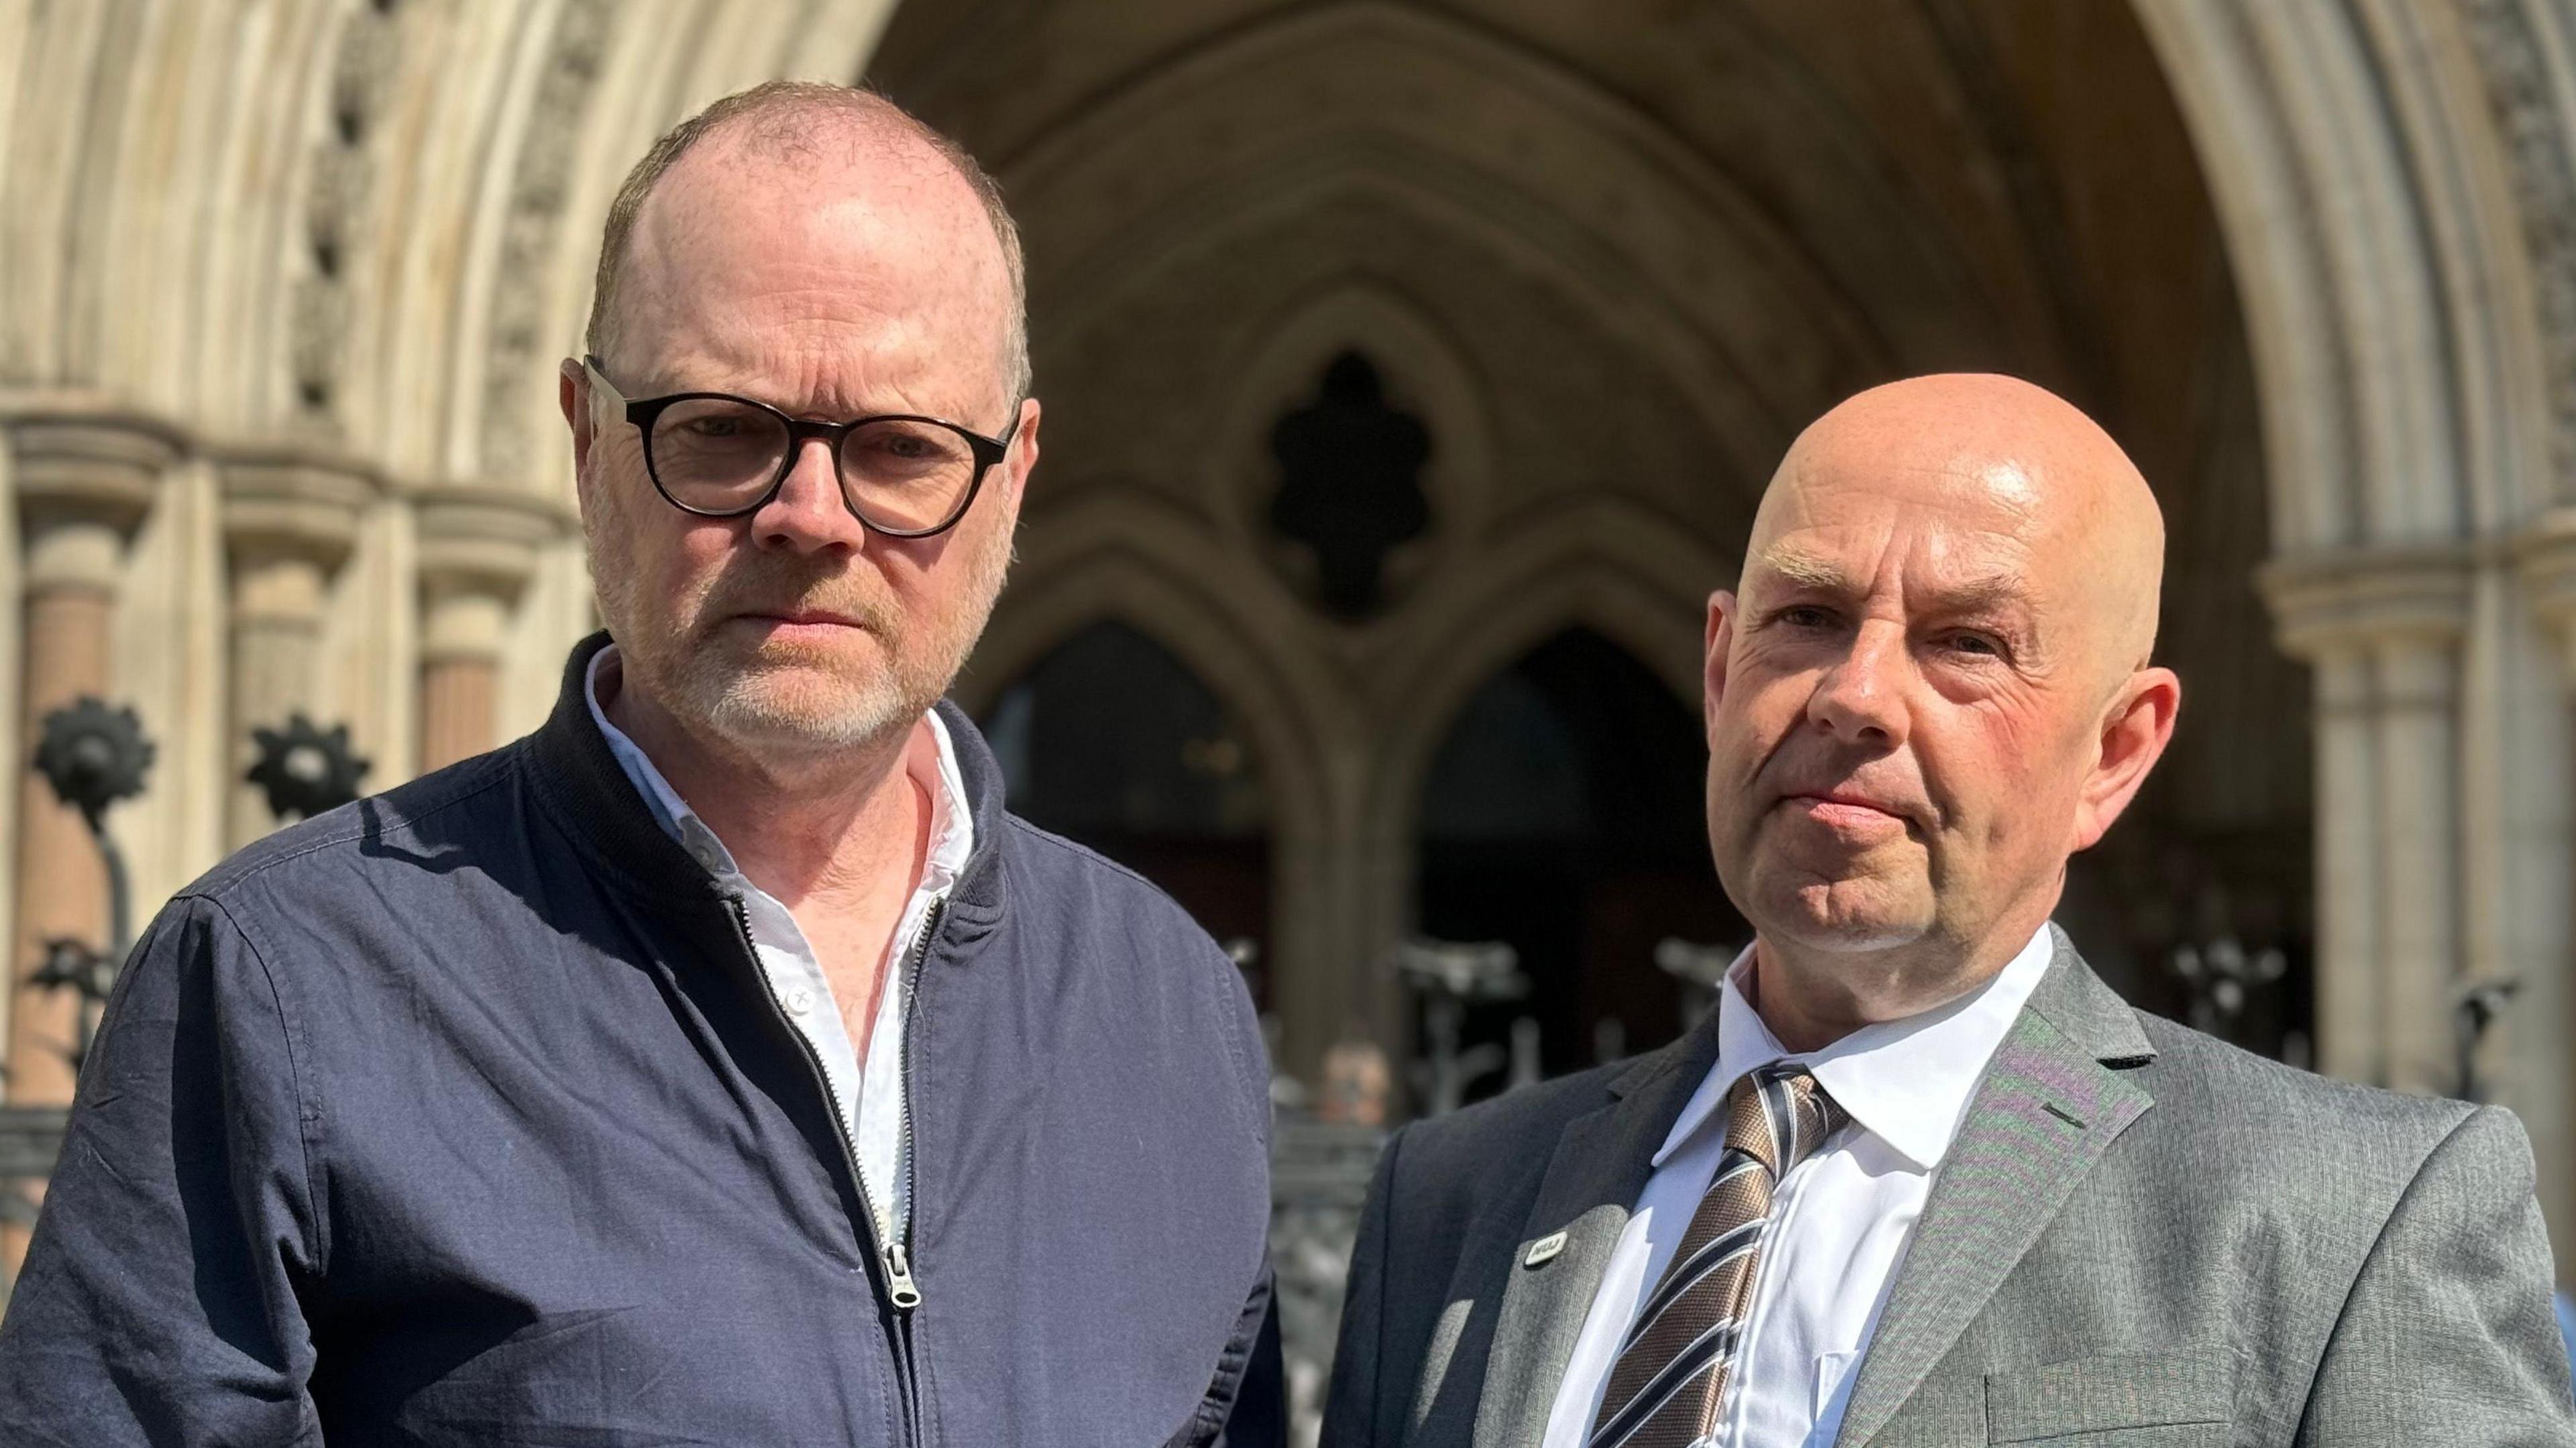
x=1978, y=644
x=1804, y=617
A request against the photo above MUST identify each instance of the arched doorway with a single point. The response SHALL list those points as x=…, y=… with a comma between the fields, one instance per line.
x=1111, y=741
x=1563, y=815
x=1639, y=248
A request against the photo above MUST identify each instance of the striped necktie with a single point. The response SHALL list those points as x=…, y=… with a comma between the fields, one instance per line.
x=1671, y=1370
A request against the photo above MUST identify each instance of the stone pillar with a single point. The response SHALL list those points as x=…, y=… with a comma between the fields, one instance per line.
x=2546, y=1013
x=2420, y=884
x=1331, y=931
x=2349, y=1011
x=478, y=547
x=84, y=485
x=2383, y=629
x=290, y=520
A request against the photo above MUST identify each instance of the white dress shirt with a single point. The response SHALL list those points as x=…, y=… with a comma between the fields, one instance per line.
x=1839, y=1222
x=869, y=1099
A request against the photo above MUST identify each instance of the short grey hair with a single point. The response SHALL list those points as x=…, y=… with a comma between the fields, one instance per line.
x=783, y=111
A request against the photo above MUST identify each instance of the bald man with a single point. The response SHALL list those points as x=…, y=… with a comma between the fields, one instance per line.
x=1922, y=1179
x=721, y=1064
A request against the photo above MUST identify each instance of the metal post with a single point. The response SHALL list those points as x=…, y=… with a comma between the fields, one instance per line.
x=1448, y=977
x=93, y=755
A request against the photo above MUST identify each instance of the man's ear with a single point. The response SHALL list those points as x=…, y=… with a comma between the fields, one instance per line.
x=572, y=392
x=1024, y=450
x=2135, y=730
x=1717, y=642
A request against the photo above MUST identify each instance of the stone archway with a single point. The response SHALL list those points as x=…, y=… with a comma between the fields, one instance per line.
x=1113, y=742
x=1126, y=560
x=2396, y=187
x=281, y=292
x=1610, y=306
x=1561, y=815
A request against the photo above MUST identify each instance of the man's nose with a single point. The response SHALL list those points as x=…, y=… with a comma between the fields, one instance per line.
x=1861, y=698
x=808, y=513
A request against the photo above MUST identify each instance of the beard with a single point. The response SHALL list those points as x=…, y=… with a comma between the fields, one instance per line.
x=779, y=694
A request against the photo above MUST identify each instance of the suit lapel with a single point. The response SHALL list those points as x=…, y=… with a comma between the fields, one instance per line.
x=1600, y=1165
x=2047, y=1108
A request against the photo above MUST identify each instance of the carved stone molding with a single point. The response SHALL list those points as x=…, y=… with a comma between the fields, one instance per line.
x=2525, y=98
x=2547, y=552
x=482, y=539
x=340, y=187
x=100, y=468
x=2348, y=598
x=291, y=502
x=539, y=189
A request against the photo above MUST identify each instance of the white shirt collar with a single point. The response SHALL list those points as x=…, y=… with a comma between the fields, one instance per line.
x=1906, y=1082
x=952, y=824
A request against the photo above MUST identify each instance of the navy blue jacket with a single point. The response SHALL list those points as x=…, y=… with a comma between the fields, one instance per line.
x=461, y=1116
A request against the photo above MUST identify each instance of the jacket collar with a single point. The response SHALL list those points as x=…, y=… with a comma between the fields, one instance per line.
x=598, y=805
x=977, y=898
x=2088, y=1013
x=2058, y=1093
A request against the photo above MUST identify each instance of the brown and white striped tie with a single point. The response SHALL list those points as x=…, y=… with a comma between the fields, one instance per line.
x=1672, y=1368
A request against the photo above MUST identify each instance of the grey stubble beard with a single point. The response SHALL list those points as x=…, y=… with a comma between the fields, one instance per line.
x=708, y=693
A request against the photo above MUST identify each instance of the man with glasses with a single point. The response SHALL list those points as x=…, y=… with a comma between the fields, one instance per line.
x=720, y=1064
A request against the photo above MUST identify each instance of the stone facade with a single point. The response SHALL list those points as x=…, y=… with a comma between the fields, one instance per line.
x=282, y=286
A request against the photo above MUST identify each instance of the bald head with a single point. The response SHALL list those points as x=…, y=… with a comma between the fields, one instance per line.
x=2037, y=470
x=1930, y=689
x=851, y=155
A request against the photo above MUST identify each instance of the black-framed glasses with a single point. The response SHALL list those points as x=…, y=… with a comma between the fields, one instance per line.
x=722, y=456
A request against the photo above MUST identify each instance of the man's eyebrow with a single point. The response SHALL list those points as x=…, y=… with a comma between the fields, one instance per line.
x=1806, y=570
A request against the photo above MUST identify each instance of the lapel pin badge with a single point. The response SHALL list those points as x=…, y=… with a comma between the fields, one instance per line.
x=1544, y=1250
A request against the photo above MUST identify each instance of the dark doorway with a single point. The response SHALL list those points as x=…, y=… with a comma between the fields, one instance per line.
x=1564, y=815
x=1113, y=742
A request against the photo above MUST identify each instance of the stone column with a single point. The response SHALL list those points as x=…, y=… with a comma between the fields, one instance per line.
x=2383, y=629
x=290, y=521
x=84, y=485
x=2350, y=1015
x=1330, y=931
x=478, y=547
x=2546, y=1012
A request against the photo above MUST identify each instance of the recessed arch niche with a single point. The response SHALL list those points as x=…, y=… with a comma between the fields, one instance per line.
x=1562, y=813
x=1110, y=740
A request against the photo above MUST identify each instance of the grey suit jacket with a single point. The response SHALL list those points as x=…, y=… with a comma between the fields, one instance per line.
x=2142, y=1237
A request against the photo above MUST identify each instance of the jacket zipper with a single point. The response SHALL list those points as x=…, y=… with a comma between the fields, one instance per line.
x=893, y=1257
x=901, y=1289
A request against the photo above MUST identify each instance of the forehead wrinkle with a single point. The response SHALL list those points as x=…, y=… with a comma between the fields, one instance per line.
x=1809, y=569
x=894, y=370
x=1976, y=595
x=883, y=239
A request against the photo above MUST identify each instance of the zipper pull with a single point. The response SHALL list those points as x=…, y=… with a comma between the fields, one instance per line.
x=899, y=1283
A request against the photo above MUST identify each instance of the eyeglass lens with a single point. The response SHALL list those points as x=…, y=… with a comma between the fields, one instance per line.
x=720, y=456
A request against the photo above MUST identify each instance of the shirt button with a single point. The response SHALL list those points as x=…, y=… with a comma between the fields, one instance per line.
x=800, y=999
